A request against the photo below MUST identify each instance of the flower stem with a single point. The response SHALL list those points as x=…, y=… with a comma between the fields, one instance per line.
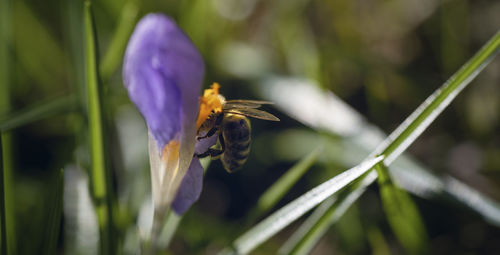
x=101, y=184
x=158, y=222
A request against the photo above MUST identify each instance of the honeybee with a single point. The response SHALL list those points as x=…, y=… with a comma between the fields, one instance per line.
x=233, y=129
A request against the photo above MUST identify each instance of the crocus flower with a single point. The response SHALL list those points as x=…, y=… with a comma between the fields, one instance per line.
x=163, y=73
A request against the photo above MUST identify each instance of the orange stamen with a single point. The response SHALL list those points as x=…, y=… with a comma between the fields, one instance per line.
x=171, y=151
x=210, y=101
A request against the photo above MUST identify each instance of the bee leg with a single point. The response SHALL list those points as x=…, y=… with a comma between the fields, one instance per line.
x=214, y=152
x=210, y=152
x=213, y=130
x=204, y=154
x=210, y=133
x=222, y=143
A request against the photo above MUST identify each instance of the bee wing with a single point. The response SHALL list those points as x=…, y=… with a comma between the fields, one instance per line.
x=241, y=103
x=254, y=113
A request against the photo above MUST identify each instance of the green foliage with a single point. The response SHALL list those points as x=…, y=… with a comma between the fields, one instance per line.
x=38, y=111
x=9, y=240
x=44, y=65
x=377, y=241
x=400, y=139
x=283, y=185
x=114, y=54
x=383, y=60
x=99, y=168
x=402, y=214
x=309, y=233
x=3, y=226
x=427, y=112
x=262, y=231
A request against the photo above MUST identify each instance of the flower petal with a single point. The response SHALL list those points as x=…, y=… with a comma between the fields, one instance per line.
x=205, y=143
x=190, y=188
x=163, y=72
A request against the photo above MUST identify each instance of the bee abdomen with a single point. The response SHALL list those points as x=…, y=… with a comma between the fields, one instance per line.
x=235, y=155
x=232, y=163
x=236, y=134
x=241, y=146
x=236, y=130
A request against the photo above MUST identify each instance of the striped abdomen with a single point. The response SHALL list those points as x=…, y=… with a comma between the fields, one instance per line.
x=236, y=134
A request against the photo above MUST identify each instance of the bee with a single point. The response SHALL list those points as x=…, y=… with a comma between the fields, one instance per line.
x=233, y=129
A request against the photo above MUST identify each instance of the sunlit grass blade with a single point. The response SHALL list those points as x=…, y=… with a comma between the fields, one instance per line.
x=114, y=54
x=306, y=226
x=310, y=232
x=421, y=118
x=402, y=214
x=54, y=220
x=360, y=137
x=293, y=210
x=99, y=175
x=472, y=198
x=37, y=112
x=399, y=140
x=285, y=183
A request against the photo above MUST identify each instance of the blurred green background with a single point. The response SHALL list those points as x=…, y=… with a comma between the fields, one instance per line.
x=382, y=57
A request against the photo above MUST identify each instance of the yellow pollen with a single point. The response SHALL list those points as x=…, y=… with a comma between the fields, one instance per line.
x=170, y=158
x=210, y=101
x=171, y=151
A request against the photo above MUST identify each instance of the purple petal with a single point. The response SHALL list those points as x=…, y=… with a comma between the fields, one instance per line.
x=190, y=188
x=163, y=72
x=205, y=143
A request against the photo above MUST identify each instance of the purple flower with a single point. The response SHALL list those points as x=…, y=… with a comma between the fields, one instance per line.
x=163, y=73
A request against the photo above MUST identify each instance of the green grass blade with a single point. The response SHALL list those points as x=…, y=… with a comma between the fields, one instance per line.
x=9, y=240
x=54, y=220
x=421, y=118
x=360, y=137
x=402, y=214
x=114, y=55
x=285, y=183
x=4, y=85
x=472, y=198
x=74, y=36
x=377, y=241
x=291, y=243
x=3, y=227
x=45, y=65
x=99, y=175
x=311, y=231
x=399, y=140
x=293, y=210
x=38, y=111
x=5, y=29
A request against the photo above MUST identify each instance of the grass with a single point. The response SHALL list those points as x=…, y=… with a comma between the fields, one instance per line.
x=397, y=203
x=276, y=202
x=99, y=168
x=3, y=225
